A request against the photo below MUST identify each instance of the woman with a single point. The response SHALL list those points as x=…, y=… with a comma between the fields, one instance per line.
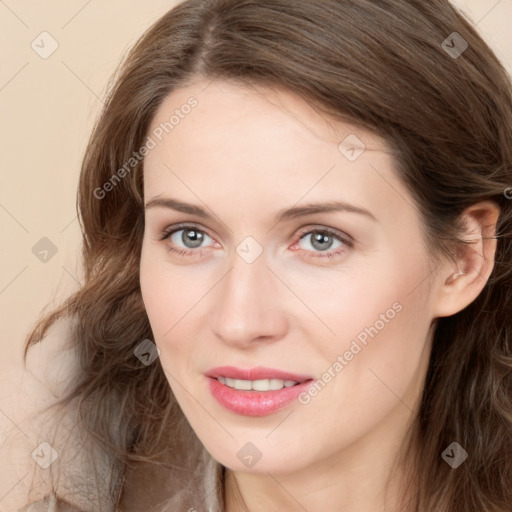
x=297, y=247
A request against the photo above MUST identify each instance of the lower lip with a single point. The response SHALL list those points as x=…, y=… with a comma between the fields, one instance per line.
x=255, y=403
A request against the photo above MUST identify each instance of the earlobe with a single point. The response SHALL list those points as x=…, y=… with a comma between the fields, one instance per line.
x=464, y=277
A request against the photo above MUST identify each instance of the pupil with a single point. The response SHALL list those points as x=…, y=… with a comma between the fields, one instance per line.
x=192, y=236
x=321, y=238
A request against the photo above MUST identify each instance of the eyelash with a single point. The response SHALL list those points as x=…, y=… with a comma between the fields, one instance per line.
x=347, y=243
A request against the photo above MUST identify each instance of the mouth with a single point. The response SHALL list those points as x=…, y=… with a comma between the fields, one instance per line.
x=257, y=391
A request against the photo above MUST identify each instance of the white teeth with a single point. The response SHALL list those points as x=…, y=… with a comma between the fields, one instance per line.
x=244, y=385
x=276, y=384
x=257, y=385
x=260, y=385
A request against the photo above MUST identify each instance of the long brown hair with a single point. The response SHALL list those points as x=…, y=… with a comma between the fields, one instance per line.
x=389, y=66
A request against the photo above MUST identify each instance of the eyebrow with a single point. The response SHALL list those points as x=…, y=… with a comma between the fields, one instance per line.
x=282, y=215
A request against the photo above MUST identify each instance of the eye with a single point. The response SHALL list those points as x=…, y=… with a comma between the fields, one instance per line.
x=191, y=237
x=188, y=240
x=322, y=241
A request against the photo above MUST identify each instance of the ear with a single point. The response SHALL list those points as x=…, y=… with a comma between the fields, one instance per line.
x=464, y=277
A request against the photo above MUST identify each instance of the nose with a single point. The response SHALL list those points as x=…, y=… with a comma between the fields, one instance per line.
x=249, y=306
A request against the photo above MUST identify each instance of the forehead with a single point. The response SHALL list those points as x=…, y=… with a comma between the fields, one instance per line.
x=253, y=142
x=224, y=104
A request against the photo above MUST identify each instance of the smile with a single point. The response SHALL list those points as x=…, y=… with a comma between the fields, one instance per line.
x=257, y=391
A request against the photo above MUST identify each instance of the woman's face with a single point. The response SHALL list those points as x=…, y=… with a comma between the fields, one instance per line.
x=318, y=317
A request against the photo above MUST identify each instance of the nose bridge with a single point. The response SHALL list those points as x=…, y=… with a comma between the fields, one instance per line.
x=247, y=277
x=247, y=303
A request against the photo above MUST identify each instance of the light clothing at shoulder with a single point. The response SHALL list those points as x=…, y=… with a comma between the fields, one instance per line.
x=51, y=503
x=51, y=365
x=203, y=496
x=50, y=368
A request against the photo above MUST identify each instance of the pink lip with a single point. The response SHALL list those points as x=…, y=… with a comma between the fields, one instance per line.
x=256, y=373
x=255, y=403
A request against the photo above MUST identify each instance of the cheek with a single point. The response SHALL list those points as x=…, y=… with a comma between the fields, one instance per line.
x=155, y=295
x=169, y=292
x=380, y=354
x=380, y=319
x=172, y=299
x=361, y=304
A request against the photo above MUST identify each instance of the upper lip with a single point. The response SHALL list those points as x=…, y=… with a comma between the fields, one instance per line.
x=257, y=373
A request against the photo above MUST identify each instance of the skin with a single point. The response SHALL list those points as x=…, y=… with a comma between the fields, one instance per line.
x=243, y=154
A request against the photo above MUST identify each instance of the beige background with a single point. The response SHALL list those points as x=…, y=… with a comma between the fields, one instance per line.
x=48, y=109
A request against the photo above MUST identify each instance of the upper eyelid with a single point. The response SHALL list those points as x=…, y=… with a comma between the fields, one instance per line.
x=173, y=229
x=344, y=237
